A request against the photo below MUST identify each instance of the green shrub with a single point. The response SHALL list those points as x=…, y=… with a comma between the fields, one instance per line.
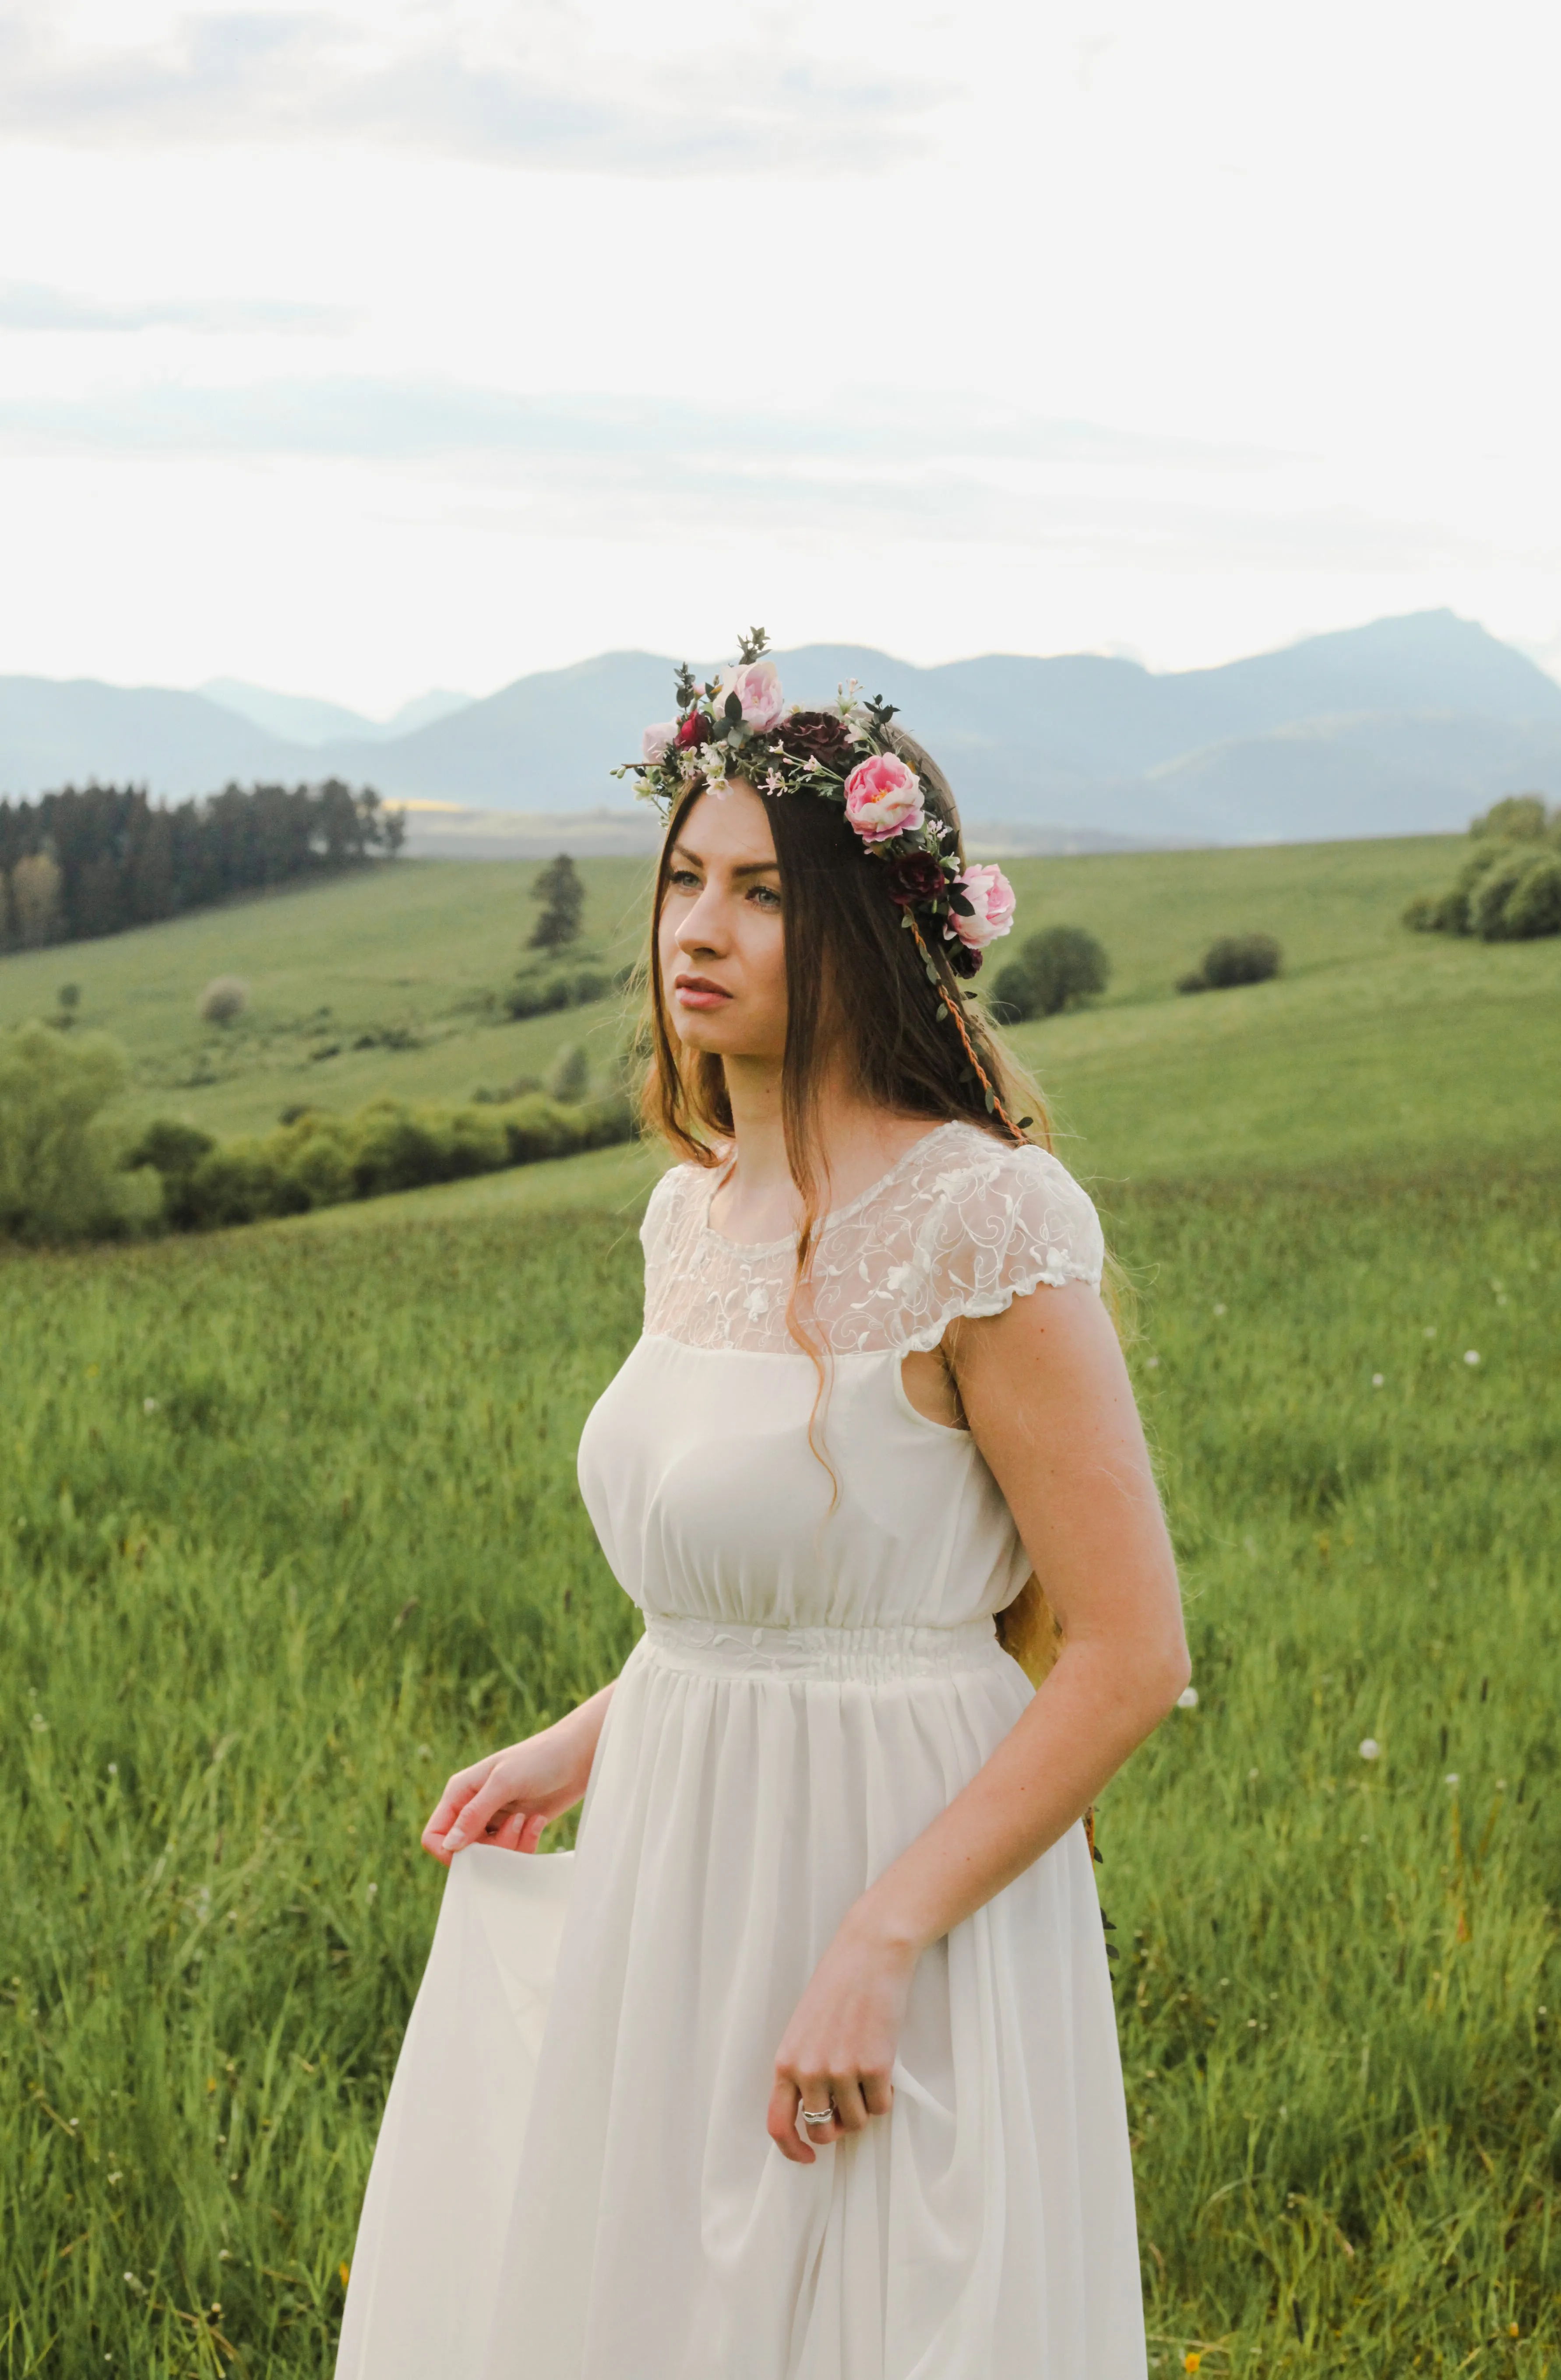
x=241, y=1183
x=57, y=1174
x=1234, y=959
x=393, y=1149
x=318, y=1159
x=538, y=1127
x=1533, y=906
x=171, y=1151
x=570, y=1078
x=536, y=994
x=173, y=1148
x=1053, y=969
x=1508, y=890
x=1012, y=998
x=223, y=1000
x=1521, y=817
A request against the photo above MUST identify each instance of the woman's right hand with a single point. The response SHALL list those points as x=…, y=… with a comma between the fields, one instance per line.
x=508, y=1798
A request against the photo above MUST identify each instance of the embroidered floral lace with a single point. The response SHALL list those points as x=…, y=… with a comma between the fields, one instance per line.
x=960, y=1226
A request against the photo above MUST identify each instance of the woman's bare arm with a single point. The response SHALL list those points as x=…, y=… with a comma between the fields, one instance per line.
x=1048, y=1400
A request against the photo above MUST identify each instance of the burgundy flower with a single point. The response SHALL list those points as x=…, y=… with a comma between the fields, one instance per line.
x=820, y=733
x=964, y=960
x=914, y=877
x=695, y=729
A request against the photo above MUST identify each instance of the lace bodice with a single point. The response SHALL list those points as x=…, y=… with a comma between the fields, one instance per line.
x=960, y=1225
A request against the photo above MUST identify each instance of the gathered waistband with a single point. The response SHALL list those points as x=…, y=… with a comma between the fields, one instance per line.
x=729, y=1648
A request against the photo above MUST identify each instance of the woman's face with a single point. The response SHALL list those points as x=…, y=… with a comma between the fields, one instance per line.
x=721, y=942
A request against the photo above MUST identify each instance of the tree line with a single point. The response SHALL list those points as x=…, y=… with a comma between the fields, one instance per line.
x=85, y=862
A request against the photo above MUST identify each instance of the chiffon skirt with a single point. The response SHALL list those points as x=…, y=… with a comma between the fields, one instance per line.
x=595, y=2196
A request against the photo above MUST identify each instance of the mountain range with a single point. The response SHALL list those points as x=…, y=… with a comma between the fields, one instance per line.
x=1405, y=726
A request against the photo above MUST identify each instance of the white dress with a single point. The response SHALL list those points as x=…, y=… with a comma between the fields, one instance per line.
x=573, y=2181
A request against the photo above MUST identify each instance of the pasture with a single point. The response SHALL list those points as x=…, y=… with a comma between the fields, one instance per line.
x=289, y=1528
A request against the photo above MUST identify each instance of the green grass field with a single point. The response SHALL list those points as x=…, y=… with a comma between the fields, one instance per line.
x=289, y=1528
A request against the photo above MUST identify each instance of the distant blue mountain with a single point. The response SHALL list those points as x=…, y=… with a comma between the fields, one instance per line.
x=303, y=719
x=1405, y=726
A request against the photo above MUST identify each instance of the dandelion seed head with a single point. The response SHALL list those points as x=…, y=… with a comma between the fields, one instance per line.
x=149, y=1404
x=1370, y=1747
x=1187, y=1698
x=1451, y=1777
x=1376, y=1380
x=1472, y=1355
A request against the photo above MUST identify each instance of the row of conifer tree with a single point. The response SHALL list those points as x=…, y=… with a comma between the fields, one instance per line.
x=91, y=861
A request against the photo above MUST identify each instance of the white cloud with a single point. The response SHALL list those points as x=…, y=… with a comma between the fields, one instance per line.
x=34, y=306
x=524, y=88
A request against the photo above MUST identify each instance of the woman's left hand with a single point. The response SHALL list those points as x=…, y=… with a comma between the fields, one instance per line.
x=839, y=2048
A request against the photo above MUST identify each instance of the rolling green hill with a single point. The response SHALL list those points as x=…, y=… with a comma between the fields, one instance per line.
x=1375, y=1042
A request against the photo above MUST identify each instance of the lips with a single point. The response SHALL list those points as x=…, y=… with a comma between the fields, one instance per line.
x=697, y=991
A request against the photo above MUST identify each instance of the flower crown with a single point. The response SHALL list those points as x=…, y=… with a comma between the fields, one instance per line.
x=740, y=725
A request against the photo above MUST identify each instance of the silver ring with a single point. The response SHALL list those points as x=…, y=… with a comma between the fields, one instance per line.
x=818, y=2115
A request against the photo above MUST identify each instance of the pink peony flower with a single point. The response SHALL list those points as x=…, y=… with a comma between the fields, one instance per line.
x=757, y=687
x=656, y=742
x=883, y=798
x=991, y=897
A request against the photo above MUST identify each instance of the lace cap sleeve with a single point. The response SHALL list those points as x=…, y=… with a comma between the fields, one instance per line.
x=664, y=1233
x=996, y=1223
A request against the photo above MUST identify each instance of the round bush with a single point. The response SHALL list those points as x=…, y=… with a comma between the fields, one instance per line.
x=321, y=1167
x=1533, y=906
x=1240, y=958
x=1064, y=964
x=391, y=1148
x=1012, y=997
x=224, y=998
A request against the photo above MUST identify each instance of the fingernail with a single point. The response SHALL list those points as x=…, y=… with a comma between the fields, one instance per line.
x=455, y=1840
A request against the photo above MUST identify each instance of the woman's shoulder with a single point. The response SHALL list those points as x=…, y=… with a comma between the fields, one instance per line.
x=962, y=1163
x=988, y=1221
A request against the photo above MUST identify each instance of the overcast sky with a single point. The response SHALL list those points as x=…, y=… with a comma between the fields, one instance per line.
x=358, y=348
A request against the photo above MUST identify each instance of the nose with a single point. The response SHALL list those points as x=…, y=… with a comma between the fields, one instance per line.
x=700, y=927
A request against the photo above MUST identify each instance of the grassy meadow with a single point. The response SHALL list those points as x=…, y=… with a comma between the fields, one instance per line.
x=289, y=1528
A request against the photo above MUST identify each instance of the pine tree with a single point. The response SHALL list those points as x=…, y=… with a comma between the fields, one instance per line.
x=561, y=894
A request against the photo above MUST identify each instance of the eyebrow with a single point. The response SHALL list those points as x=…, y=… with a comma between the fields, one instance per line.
x=748, y=867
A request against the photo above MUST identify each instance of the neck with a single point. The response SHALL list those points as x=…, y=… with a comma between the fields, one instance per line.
x=753, y=1088
x=856, y=1143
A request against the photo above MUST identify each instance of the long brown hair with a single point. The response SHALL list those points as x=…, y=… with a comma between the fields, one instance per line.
x=854, y=978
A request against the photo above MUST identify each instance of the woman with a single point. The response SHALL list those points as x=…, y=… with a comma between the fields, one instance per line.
x=804, y=2068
